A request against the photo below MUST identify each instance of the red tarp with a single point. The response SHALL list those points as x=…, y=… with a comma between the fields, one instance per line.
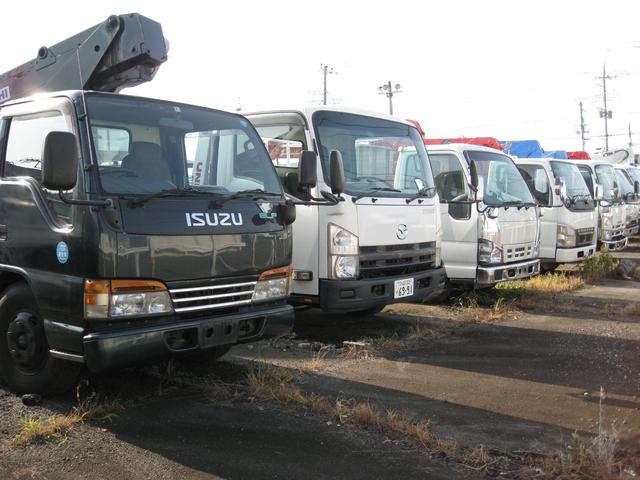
x=483, y=141
x=578, y=155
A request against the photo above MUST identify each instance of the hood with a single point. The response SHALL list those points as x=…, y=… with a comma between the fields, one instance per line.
x=518, y=226
x=172, y=239
x=396, y=224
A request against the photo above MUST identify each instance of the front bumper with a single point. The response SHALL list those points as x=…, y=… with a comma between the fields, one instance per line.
x=353, y=295
x=116, y=349
x=504, y=272
x=572, y=255
x=631, y=228
x=615, y=245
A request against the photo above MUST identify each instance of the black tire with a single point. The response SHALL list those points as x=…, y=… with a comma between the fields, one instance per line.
x=367, y=311
x=25, y=363
x=548, y=267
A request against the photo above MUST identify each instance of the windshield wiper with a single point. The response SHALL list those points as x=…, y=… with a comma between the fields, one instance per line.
x=255, y=194
x=170, y=192
x=423, y=192
x=374, y=190
x=517, y=203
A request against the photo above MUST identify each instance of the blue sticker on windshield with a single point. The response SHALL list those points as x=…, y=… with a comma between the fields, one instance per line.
x=62, y=252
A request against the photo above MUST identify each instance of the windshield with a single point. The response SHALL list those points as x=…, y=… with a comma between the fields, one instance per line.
x=577, y=189
x=381, y=156
x=146, y=146
x=503, y=183
x=606, y=176
x=625, y=185
x=634, y=173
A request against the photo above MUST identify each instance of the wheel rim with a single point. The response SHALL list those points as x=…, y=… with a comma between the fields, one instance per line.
x=26, y=342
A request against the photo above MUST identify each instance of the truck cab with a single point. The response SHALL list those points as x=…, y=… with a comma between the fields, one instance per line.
x=629, y=191
x=381, y=243
x=115, y=250
x=487, y=237
x=568, y=227
x=611, y=209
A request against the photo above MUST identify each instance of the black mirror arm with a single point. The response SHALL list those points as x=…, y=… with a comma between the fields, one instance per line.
x=92, y=203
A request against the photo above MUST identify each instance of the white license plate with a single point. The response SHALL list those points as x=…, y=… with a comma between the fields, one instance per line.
x=403, y=288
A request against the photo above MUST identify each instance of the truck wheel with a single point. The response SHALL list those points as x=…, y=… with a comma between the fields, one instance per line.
x=25, y=363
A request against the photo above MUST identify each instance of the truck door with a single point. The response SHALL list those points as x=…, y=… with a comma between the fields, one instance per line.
x=537, y=179
x=459, y=225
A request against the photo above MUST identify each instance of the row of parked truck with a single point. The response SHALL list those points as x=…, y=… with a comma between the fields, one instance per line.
x=133, y=228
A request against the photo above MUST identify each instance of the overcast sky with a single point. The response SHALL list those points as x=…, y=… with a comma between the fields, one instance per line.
x=511, y=70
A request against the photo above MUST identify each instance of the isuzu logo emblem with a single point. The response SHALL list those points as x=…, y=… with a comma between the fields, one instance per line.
x=401, y=231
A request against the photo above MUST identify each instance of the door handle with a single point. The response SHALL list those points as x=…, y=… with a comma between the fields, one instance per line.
x=3, y=232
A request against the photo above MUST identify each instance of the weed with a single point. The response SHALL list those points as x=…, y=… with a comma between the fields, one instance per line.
x=366, y=416
x=357, y=351
x=597, y=267
x=39, y=429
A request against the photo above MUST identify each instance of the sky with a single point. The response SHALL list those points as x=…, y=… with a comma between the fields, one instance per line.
x=505, y=69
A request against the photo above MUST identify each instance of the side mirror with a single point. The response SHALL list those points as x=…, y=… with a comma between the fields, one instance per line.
x=288, y=212
x=307, y=169
x=560, y=188
x=473, y=172
x=60, y=161
x=479, y=188
x=636, y=187
x=337, y=172
x=598, y=193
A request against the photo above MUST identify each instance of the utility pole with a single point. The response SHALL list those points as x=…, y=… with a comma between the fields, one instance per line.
x=630, y=139
x=583, y=128
x=606, y=114
x=389, y=91
x=326, y=70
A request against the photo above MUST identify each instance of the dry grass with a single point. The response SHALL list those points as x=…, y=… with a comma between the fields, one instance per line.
x=632, y=310
x=551, y=283
x=40, y=429
x=270, y=382
x=364, y=415
x=355, y=351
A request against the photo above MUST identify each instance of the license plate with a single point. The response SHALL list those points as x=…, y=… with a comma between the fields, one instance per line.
x=403, y=288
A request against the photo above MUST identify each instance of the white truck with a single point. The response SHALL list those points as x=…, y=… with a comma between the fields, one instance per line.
x=381, y=243
x=490, y=220
x=629, y=192
x=611, y=209
x=568, y=228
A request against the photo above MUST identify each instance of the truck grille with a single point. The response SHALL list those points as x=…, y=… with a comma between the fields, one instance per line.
x=391, y=260
x=517, y=253
x=584, y=236
x=212, y=297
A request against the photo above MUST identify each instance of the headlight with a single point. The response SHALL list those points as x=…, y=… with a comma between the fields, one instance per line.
x=489, y=252
x=123, y=298
x=438, y=254
x=343, y=253
x=566, y=236
x=273, y=284
x=345, y=267
x=341, y=241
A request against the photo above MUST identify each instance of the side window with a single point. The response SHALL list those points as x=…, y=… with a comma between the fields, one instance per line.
x=449, y=176
x=24, y=149
x=451, y=184
x=537, y=180
x=111, y=144
x=586, y=174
